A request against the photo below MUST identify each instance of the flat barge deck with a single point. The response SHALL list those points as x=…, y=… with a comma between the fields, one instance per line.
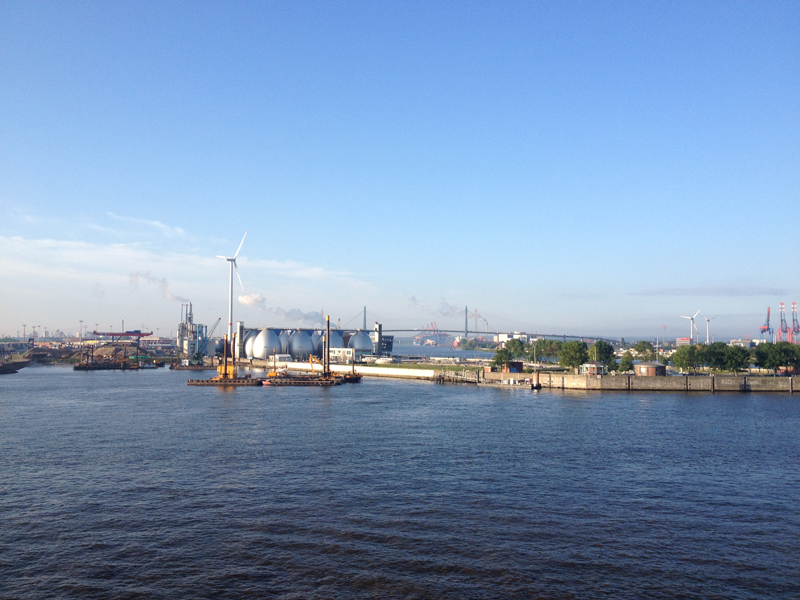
x=230, y=382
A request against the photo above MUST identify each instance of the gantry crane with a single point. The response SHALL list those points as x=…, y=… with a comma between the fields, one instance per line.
x=783, y=330
x=765, y=328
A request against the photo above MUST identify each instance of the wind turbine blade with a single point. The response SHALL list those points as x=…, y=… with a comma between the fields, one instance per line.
x=222, y=257
x=695, y=314
x=235, y=266
x=682, y=317
x=240, y=245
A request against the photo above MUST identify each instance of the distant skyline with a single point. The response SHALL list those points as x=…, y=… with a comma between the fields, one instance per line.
x=563, y=167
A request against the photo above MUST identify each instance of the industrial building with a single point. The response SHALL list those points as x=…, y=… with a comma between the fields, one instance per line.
x=301, y=343
x=192, y=337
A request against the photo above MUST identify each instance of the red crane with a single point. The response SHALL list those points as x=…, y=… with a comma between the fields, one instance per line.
x=765, y=328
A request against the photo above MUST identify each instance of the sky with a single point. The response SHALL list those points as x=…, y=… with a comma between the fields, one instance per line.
x=586, y=168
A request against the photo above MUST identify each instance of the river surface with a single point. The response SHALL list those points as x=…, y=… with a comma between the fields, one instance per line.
x=132, y=485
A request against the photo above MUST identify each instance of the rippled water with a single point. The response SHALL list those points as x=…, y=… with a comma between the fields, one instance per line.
x=131, y=485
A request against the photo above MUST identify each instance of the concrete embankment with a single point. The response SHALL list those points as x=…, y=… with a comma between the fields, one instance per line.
x=720, y=383
x=560, y=380
x=366, y=370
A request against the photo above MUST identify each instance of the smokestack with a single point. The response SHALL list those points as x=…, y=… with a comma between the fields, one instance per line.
x=365, y=319
x=466, y=322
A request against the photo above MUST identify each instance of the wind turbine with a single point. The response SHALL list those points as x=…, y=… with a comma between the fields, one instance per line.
x=708, y=337
x=233, y=265
x=691, y=326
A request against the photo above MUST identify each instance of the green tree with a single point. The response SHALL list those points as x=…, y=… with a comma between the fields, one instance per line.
x=760, y=356
x=573, y=354
x=688, y=357
x=603, y=352
x=736, y=358
x=715, y=355
x=645, y=350
x=774, y=356
x=784, y=354
x=626, y=364
x=515, y=347
x=502, y=357
x=547, y=350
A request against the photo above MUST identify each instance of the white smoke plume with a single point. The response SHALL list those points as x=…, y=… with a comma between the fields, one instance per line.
x=253, y=301
x=162, y=284
x=448, y=310
x=293, y=315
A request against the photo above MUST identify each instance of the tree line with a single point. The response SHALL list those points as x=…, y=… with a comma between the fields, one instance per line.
x=717, y=356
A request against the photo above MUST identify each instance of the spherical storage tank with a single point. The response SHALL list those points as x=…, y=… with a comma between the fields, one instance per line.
x=267, y=343
x=336, y=339
x=316, y=340
x=284, y=337
x=360, y=341
x=249, y=338
x=300, y=346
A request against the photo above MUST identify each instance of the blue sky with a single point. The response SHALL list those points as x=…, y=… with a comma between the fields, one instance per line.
x=587, y=168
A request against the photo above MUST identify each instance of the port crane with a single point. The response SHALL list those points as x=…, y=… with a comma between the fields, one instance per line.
x=795, y=333
x=765, y=328
x=783, y=329
x=431, y=332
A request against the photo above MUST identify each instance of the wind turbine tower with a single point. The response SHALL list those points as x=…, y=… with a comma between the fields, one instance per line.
x=691, y=325
x=708, y=337
x=233, y=265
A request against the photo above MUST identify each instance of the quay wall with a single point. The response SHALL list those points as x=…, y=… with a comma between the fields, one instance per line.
x=367, y=371
x=565, y=381
x=666, y=384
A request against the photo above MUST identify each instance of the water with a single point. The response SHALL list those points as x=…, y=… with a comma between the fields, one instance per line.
x=441, y=351
x=132, y=485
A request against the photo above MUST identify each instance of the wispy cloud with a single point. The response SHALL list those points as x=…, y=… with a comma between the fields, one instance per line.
x=713, y=290
x=164, y=229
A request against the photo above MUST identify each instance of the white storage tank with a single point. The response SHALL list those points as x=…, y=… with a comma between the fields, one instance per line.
x=300, y=346
x=360, y=342
x=266, y=344
x=249, y=338
x=316, y=340
x=336, y=339
x=284, y=337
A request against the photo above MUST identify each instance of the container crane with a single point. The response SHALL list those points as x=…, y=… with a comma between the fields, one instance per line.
x=795, y=335
x=765, y=328
x=783, y=330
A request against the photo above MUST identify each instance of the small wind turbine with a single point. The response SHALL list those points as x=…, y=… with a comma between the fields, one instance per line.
x=691, y=326
x=233, y=265
x=708, y=337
